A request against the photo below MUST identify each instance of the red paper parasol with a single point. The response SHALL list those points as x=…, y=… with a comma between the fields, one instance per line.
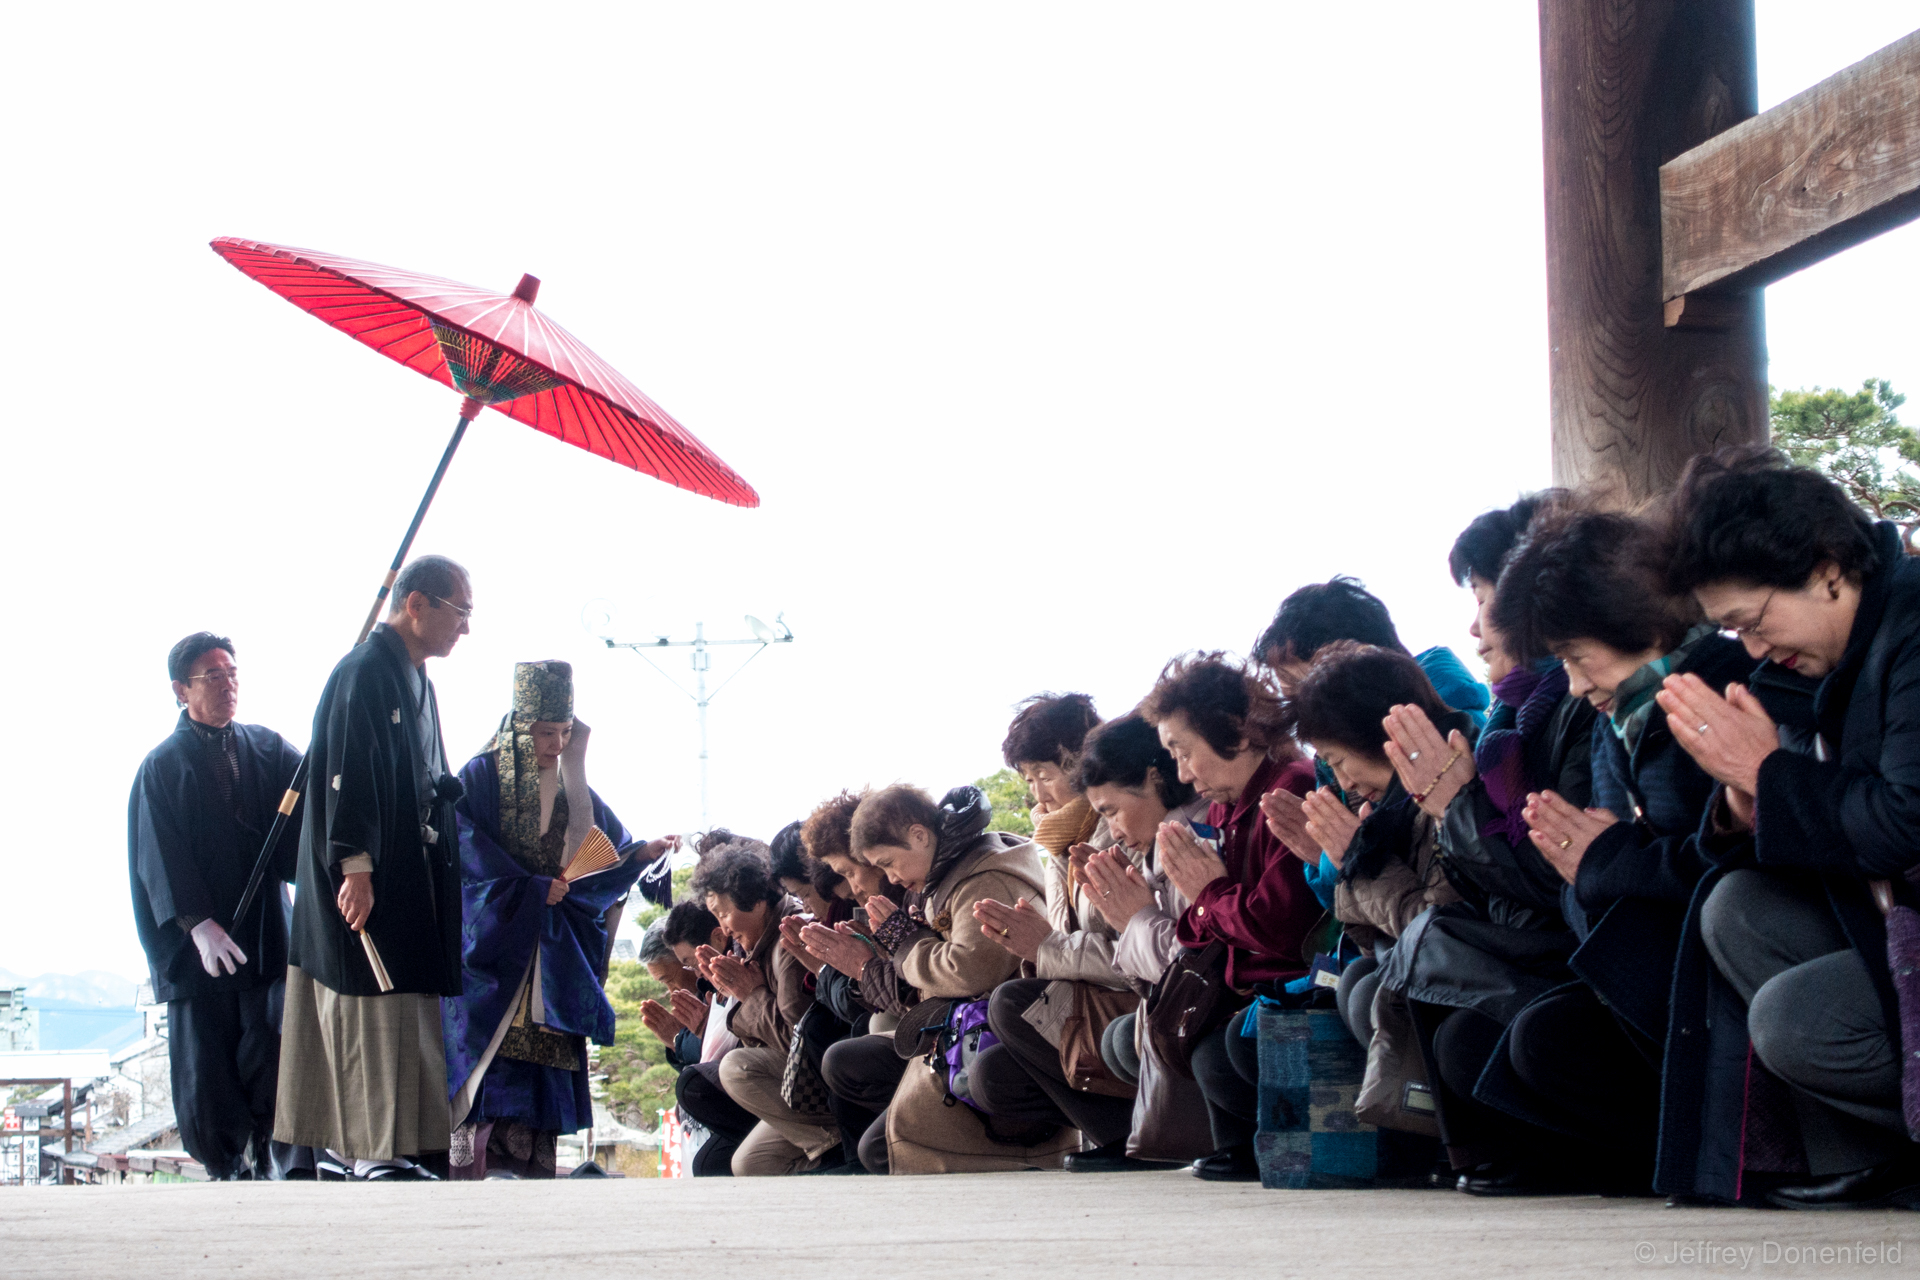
x=495, y=349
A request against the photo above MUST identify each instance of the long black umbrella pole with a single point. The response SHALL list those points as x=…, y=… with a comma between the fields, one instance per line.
x=468, y=412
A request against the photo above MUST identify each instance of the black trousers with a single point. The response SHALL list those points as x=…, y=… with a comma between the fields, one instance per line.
x=225, y=1057
x=1591, y=1075
x=862, y=1073
x=1226, y=1066
x=1581, y=1067
x=699, y=1094
x=1020, y=1081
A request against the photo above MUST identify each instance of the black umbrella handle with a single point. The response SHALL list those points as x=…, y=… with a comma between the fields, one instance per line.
x=468, y=412
x=287, y=805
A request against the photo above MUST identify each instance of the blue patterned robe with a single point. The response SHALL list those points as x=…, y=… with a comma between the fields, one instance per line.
x=504, y=916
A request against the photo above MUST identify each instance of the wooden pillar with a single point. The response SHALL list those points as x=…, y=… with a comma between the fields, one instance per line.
x=1627, y=85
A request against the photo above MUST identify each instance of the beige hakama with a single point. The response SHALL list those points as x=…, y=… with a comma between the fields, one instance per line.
x=365, y=1076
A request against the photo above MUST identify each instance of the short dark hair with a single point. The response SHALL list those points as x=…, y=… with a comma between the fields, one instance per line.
x=1588, y=575
x=740, y=870
x=431, y=575
x=1349, y=690
x=182, y=656
x=688, y=921
x=1127, y=753
x=1317, y=615
x=787, y=856
x=825, y=880
x=887, y=815
x=1224, y=700
x=1747, y=515
x=1048, y=728
x=1483, y=546
x=828, y=832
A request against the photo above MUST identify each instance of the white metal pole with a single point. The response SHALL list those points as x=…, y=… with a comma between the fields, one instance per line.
x=700, y=700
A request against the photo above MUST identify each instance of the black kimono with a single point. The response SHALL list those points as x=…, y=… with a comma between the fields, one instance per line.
x=378, y=786
x=193, y=832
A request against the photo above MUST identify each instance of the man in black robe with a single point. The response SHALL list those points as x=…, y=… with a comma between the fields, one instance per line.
x=201, y=806
x=362, y=1069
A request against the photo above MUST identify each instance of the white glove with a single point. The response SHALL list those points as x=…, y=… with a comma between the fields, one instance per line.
x=216, y=948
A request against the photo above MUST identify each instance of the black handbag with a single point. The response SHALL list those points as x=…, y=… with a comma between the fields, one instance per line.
x=1191, y=999
x=802, y=1087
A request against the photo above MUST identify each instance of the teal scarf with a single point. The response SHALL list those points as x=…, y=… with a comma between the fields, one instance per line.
x=1633, y=704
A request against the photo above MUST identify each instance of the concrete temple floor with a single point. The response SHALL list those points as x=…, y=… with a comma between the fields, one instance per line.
x=1026, y=1224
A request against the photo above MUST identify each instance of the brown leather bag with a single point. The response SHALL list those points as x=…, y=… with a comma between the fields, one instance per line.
x=1093, y=1009
x=1191, y=999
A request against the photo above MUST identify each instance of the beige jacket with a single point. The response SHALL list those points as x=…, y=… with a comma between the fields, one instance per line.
x=1147, y=943
x=766, y=1018
x=1080, y=948
x=953, y=958
x=1378, y=909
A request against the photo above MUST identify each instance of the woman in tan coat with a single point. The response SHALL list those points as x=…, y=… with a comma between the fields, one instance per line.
x=771, y=989
x=947, y=860
x=1047, y=1070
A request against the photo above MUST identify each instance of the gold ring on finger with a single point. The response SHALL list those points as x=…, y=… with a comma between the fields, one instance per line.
x=1566, y=842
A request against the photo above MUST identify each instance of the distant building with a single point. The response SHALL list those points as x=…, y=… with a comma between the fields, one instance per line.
x=623, y=949
x=19, y=1025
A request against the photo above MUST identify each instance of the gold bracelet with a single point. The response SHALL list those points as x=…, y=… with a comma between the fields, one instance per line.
x=1451, y=761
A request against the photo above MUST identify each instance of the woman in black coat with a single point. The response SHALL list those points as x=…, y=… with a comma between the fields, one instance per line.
x=1469, y=968
x=1583, y=1059
x=1779, y=556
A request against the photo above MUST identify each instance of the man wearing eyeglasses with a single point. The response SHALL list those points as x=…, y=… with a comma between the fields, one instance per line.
x=202, y=803
x=376, y=920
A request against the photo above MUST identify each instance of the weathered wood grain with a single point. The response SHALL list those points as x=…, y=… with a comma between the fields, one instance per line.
x=1822, y=171
x=1625, y=86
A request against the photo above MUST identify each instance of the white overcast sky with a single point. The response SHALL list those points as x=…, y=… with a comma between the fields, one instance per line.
x=1057, y=339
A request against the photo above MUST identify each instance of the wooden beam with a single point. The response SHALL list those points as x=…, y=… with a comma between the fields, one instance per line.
x=1824, y=170
x=1627, y=85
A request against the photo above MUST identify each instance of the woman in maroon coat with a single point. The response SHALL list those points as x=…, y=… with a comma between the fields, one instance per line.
x=1222, y=723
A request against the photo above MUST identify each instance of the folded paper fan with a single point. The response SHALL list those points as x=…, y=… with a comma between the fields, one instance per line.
x=596, y=853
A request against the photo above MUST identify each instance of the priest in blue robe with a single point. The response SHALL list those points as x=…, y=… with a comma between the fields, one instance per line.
x=534, y=945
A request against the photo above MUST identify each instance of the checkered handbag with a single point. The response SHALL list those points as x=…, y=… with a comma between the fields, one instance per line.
x=802, y=1087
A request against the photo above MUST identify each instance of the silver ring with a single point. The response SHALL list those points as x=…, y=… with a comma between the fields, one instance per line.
x=1704, y=728
x=1413, y=755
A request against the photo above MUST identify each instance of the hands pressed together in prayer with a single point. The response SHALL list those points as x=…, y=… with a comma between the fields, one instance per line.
x=1189, y=864
x=688, y=1013
x=794, y=945
x=729, y=974
x=1287, y=820
x=1117, y=886
x=1432, y=769
x=839, y=946
x=1730, y=737
x=1562, y=832
x=1019, y=928
x=1330, y=824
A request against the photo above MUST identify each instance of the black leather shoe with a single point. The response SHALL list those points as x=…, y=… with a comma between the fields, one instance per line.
x=1894, y=1185
x=1236, y=1165
x=1113, y=1158
x=1519, y=1180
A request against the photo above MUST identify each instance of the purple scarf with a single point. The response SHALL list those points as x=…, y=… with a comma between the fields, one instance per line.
x=1529, y=698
